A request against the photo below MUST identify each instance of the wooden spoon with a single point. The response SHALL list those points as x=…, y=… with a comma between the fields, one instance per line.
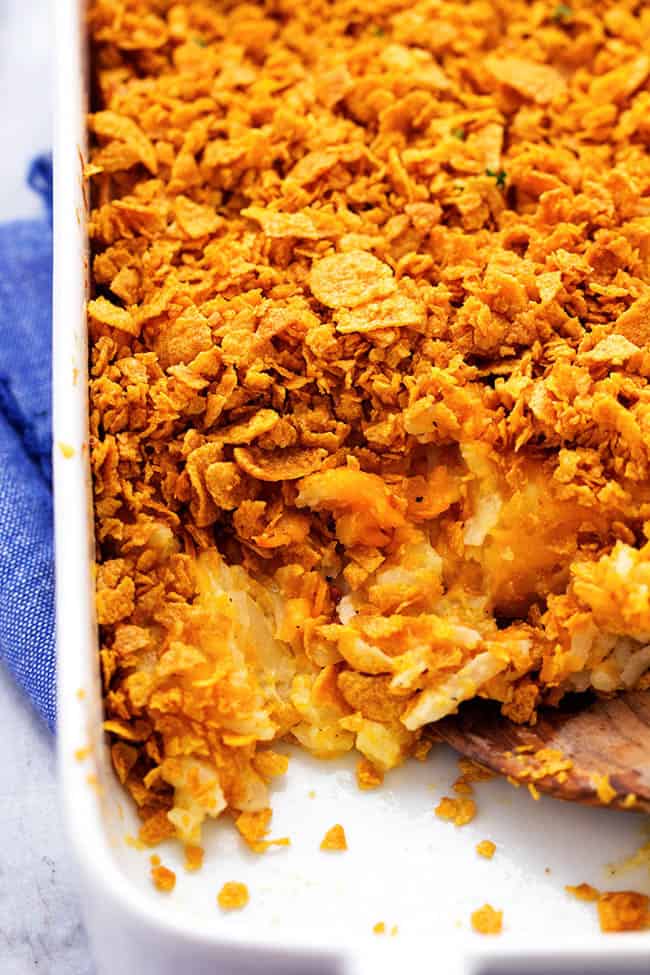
x=603, y=738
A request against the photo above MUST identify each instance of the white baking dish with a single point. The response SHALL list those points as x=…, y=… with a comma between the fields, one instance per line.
x=309, y=911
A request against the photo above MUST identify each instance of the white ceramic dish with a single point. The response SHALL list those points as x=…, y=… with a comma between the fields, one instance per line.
x=309, y=911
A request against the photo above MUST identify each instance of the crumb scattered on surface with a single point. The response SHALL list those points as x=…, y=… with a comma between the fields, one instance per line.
x=233, y=896
x=81, y=754
x=624, y=910
x=487, y=920
x=368, y=776
x=66, y=450
x=458, y=811
x=583, y=892
x=334, y=839
x=193, y=857
x=163, y=879
x=254, y=827
x=486, y=848
x=379, y=928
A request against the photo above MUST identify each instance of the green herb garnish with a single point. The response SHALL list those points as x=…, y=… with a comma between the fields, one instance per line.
x=459, y=134
x=499, y=175
x=562, y=13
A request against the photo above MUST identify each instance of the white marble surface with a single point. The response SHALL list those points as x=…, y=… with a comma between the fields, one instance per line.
x=40, y=927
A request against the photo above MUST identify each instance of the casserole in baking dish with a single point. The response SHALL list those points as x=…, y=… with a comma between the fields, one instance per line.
x=301, y=900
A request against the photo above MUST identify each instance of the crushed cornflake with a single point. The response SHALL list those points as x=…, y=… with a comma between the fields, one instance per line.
x=233, y=896
x=471, y=772
x=379, y=928
x=334, y=839
x=254, y=826
x=624, y=910
x=193, y=858
x=369, y=381
x=368, y=777
x=163, y=879
x=66, y=449
x=583, y=892
x=486, y=848
x=458, y=811
x=487, y=920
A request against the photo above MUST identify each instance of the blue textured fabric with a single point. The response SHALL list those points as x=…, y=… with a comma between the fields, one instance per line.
x=26, y=545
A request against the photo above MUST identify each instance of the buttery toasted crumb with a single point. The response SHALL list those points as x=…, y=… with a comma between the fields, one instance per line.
x=334, y=839
x=253, y=826
x=368, y=777
x=459, y=811
x=163, y=879
x=486, y=848
x=624, y=910
x=66, y=450
x=233, y=896
x=379, y=928
x=193, y=857
x=487, y=920
x=583, y=892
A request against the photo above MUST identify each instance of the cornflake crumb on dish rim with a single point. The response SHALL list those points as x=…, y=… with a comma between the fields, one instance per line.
x=233, y=896
x=487, y=920
x=335, y=839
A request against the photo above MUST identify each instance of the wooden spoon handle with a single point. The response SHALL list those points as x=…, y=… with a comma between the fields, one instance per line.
x=606, y=744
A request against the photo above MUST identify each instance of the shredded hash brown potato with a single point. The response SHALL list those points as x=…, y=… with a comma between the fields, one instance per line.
x=370, y=412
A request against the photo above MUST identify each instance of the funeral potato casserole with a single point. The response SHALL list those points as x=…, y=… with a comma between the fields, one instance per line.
x=370, y=413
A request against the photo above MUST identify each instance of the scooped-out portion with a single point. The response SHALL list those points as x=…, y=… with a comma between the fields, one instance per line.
x=370, y=413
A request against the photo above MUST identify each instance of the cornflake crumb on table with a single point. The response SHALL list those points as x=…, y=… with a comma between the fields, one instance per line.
x=233, y=896
x=334, y=839
x=487, y=920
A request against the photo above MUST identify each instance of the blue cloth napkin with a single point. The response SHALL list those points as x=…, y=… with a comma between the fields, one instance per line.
x=26, y=543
